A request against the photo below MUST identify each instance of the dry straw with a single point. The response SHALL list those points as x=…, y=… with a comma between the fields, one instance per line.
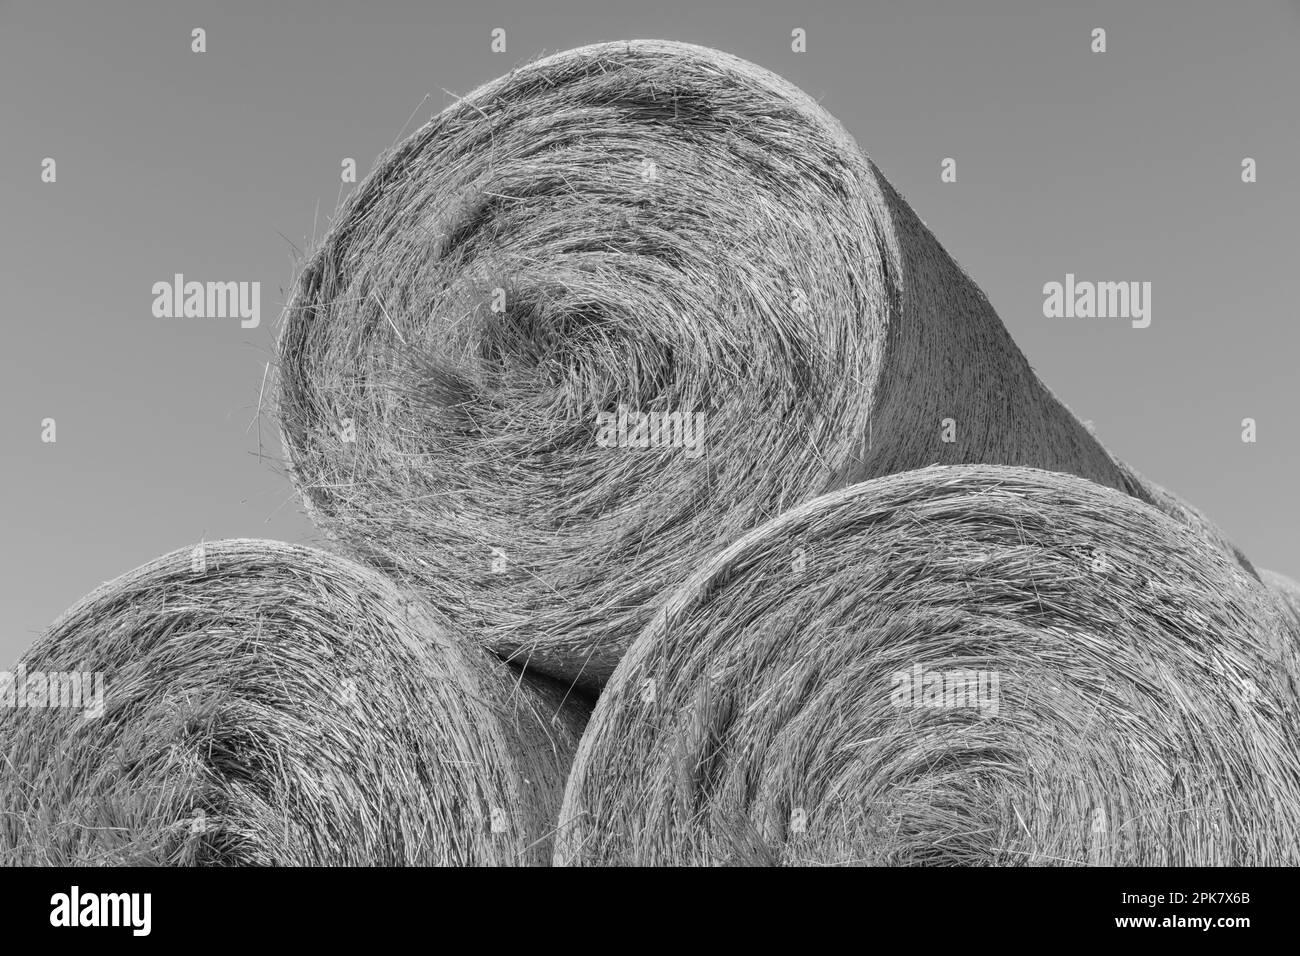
x=956, y=665
x=272, y=704
x=646, y=227
x=1284, y=589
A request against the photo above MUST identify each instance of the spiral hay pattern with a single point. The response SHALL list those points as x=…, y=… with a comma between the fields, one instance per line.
x=1111, y=689
x=275, y=705
x=640, y=227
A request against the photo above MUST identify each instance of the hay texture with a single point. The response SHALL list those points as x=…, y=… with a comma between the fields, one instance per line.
x=1133, y=700
x=1284, y=589
x=271, y=704
x=629, y=229
x=1185, y=514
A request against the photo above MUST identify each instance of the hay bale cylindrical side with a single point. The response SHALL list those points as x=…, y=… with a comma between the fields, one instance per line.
x=265, y=703
x=971, y=665
x=606, y=313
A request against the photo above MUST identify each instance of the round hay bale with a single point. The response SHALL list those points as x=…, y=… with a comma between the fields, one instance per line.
x=1171, y=504
x=957, y=665
x=270, y=704
x=609, y=311
x=1284, y=589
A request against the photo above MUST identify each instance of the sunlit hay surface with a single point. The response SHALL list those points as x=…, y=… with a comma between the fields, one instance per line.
x=1284, y=589
x=1146, y=711
x=647, y=224
x=275, y=705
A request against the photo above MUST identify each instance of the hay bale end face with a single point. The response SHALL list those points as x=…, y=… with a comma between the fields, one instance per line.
x=622, y=242
x=270, y=704
x=960, y=665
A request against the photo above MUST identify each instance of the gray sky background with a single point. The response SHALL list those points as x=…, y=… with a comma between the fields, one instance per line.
x=1115, y=166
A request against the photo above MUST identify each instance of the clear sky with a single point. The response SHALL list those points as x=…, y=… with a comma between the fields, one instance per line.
x=1115, y=166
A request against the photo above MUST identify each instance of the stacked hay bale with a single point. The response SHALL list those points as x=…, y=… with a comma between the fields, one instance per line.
x=630, y=229
x=972, y=665
x=1171, y=504
x=596, y=322
x=270, y=704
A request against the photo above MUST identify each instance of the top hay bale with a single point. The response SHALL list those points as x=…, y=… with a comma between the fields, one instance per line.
x=270, y=704
x=961, y=665
x=607, y=312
